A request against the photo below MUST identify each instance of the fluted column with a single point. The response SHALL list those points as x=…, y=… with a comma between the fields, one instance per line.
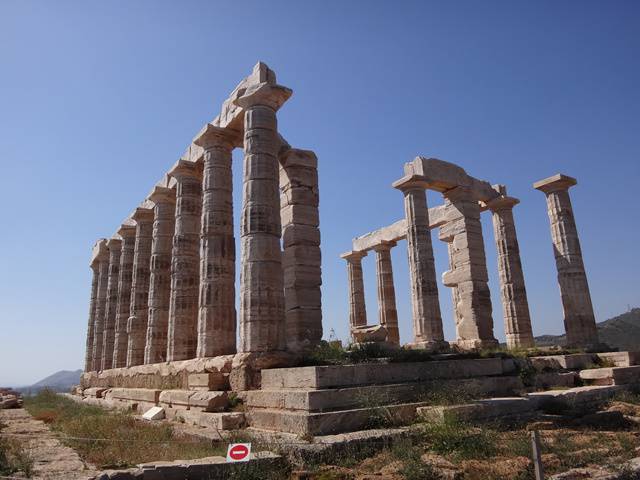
x=217, y=297
x=515, y=306
x=185, y=262
x=387, y=312
x=95, y=269
x=160, y=275
x=579, y=320
x=427, y=319
x=138, y=316
x=115, y=248
x=101, y=303
x=261, y=277
x=301, y=255
x=357, y=306
x=120, y=344
x=468, y=270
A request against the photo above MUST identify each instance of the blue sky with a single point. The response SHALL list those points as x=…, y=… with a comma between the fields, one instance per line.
x=98, y=99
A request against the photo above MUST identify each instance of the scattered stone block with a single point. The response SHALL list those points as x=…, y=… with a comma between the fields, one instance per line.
x=154, y=413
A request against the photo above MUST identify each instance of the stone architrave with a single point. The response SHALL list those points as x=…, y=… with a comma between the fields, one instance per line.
x=515, y=306
x=95, y=269
x=468, y=270
x=101, y=304
x=261, y=277
x=427, y=319
x=301, y=256
x=138, y=315
x=120, y=344
x=164, y=200
x=217, y=297
x=185, y=262
x=579, y=319
x=387, y=312
x=108, y=337
x=357, y=306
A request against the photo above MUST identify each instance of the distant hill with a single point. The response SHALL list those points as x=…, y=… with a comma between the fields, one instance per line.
x=60, y=381
x=621, y=332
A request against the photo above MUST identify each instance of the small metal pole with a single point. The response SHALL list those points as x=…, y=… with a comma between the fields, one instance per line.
x=537, y=455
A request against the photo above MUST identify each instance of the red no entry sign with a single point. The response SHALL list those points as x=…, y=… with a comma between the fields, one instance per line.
x=238, y=452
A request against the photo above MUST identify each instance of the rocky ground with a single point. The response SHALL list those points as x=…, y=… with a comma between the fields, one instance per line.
x=50, y=458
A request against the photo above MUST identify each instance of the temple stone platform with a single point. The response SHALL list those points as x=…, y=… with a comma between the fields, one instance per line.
x=327, y=400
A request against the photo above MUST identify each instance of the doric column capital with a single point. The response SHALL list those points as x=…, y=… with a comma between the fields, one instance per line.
x=162, y=195
x=184, y=169
x=410, y=183
x=556, y=183
x=211, y=137
x=127, y=231
x=141, y=215
x=502, y=203
x=100, y=253
x=264, y=94
x=353, y=257
x=385, y=246
x=114, y=244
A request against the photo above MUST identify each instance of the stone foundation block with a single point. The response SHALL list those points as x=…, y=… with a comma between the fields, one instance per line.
x=611, y=376
x=621, y=359
x=94, y=392
x=146, y=395
x=208, y=401
x=215, y=420
x=576, y=361
x=208, y=381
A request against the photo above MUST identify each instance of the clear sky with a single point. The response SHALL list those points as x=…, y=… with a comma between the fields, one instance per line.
x=99, y=99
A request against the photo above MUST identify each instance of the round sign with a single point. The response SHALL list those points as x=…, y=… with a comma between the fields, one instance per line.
x=238, y=452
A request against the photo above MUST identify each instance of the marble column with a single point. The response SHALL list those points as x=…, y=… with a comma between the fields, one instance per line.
x=120, y=344
x=515, y=306
x=301, y=255
x=387, y=312
x=261, y=277
x=427, y=319
x=217, y=297
x=155, y=350
x=95, y=269
x=137, y=322
x=101, y=304
x=579, y=319
x=115, y=248
x=357, y=305
x=468, y=270
x=185, y=263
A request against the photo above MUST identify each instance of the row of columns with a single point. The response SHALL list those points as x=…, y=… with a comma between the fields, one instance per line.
x=467, y=275
x=166, y=291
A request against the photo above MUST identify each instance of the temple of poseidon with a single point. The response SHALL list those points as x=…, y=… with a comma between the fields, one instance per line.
x=163, y=328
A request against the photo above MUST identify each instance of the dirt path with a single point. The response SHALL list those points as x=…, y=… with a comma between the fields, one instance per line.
x=52, y=460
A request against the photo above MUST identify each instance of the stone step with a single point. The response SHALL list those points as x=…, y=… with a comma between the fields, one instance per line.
x=611, y=375
x=483, y=410
x=579, y=395
x=621, y=359
x=326, y=423
x=335, y=376
x=354, y=397
x=214, y=420
x=574, y=361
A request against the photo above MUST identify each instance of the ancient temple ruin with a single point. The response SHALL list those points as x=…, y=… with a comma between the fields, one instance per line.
x=163, y=285
x=457, y=222
x=163, y=326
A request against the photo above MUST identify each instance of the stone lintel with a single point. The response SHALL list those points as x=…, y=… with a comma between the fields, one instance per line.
x=126, y=231
x=186, y=169
x=555, y=183
x=99, y=252
x=141, y=214
x=211, y=136
x=265, y=94
x=162, y=194
x=392, y=233
x=353, y=255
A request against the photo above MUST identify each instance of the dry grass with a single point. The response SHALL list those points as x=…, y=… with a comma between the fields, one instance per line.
x=114, y=439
